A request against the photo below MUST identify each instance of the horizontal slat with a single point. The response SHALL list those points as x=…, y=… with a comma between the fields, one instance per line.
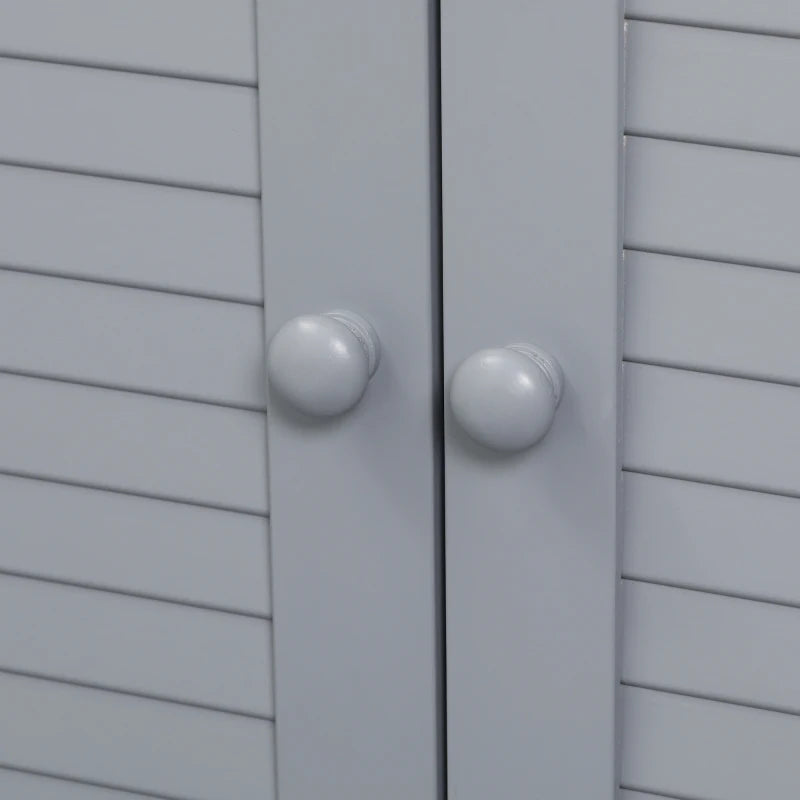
x=703, y=749
x=15, y=784
x=213, y=39
x=697, y=643
x=135, y=743
x=134, y=126
x=131, y=544
x=165, y=650
x=124, y=232
x=707, y=427
x=625, y=794
x=174, y=449
x=711, y=537
x=712, y=202
x=133, y=339
x=737, y=89
x=712, y=316
x=774, y=16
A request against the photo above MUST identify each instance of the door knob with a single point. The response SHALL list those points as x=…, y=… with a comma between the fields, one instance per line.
x=321, y=363
x=505, y=398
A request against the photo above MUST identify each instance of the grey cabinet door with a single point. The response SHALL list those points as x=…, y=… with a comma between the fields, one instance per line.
x=178, y=178
x=531, y=184
x=348, y=223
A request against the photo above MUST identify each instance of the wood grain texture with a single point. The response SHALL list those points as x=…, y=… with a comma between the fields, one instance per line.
x=712, y=202
x=174, y=449
x=771, y=16
x=711, y=316
x=207, y=39
x=132, y=544
x=348, y=147
x=130, y=233
x=135, y=645
x=133, y=126
x=711, y=537
x=134, y=743
x=707, y=427
x=697, y=643
x=713, y=86
x=126, y=338
x=686, y=747
x=530, y=154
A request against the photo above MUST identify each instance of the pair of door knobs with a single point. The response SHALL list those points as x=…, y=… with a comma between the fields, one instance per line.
x=504, y=398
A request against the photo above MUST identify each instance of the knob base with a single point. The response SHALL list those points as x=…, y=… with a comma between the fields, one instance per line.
x=364, y=332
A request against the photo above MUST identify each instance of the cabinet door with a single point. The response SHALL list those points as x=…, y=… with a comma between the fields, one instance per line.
x=348, y=223
x=531, y=166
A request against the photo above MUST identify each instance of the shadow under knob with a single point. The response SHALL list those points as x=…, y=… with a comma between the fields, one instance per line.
x=321, y=363
x=505, y=398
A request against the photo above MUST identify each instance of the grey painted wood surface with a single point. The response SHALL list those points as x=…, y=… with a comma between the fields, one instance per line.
x=210, y=39
x=531, y=253
x=713, y=428
x=771, y=16
x=687, y=540
x=39, y=787
x=148, y=647
x=127, y=338
x=167, y=130
x=727, y=318
x=347, y=138
x=175, y=449
x=134, y=743
x=688, y=747
x=711, y=537
x=136, y=545
x=130, y=233
x=742, y=651
x=736, y=89
x=712, y=202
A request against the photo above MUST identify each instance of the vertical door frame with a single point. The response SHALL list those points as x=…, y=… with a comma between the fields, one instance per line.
x=350, y=220
x=532, y=210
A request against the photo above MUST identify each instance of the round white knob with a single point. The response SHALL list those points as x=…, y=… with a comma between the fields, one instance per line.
x=321, y=363
x=505, y=398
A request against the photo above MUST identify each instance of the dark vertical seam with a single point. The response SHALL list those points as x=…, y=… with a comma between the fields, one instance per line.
x=438, y=395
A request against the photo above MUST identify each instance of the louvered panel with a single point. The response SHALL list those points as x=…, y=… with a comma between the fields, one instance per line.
x=712, y=202
x=709, y=316
x=713, y=428
x=130, y=233
x=133, y=467
x=132, y=339
x=134, y=743
x=147, y=647
x=698, y=643
x=146, y=547
x=771, y=16
x=211, y=39
x=711, y=537
x=695, y=84
x=134, y=126
x=167, y=448
x=711, y=706
x=686, y=747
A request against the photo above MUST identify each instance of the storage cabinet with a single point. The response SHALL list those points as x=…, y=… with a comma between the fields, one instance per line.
x=399, y=400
